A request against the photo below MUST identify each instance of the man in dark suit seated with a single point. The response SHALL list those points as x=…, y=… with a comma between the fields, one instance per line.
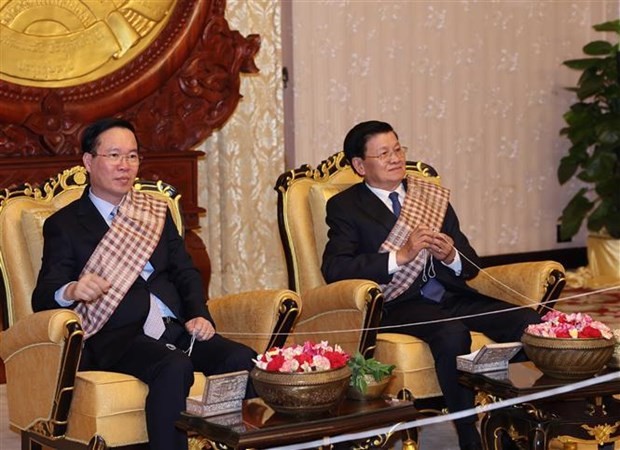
x=402, y=233
x=115, y=256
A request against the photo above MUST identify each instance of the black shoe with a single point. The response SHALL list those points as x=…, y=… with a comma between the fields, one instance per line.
x=472, y=446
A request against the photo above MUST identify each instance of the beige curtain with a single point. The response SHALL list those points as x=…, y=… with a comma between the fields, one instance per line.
x=242, y=163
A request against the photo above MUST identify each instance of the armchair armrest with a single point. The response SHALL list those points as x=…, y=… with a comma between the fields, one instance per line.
x=258, y=319
x=530, y=283
x=41, y=353
x=353, y=307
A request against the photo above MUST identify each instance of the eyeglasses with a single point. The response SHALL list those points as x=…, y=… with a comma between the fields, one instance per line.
x=132, y=159
x=387, y=154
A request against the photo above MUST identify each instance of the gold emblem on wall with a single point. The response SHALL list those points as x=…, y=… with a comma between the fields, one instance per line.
x=60, y=43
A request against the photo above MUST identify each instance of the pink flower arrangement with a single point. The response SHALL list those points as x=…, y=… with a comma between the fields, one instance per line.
x=557, y=324
x=309, y=357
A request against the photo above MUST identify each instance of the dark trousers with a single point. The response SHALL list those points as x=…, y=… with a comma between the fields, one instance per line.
x=451, y=338
x=169, y=374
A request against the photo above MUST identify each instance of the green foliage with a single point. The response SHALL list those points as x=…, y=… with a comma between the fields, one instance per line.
x=593, y=127
x=360, y=367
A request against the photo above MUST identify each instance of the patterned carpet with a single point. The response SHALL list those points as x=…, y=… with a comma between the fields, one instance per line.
x=601, y=304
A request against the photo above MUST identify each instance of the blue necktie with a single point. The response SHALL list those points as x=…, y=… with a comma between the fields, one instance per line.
x=433, y=290
x=395, y=203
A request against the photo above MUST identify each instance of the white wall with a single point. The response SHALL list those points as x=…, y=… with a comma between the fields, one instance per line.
x=475, y=88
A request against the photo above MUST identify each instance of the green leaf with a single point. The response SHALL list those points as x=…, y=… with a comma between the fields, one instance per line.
x=596, y=220
x=606, y=216
x=593, y=85
x=609, y=188
x=600, y=167
x=609, y=135
x=613, y=25
x=581, y=119
x=582, y=134
x=568, y=167
x=583, y=63
x=612, y=224
x=574, y=214
x=613, y=99
x=579, y=153
x=608, y=131
x=598, y=48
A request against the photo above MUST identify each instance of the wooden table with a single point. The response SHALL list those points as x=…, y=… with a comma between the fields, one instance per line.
x=258, y=426
x=589, y=414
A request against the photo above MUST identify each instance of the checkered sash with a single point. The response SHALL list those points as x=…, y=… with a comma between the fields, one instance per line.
x=121, y=255
x=425, y=204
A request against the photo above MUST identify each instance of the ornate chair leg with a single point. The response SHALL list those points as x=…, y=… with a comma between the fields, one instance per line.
x=411, y=443
x=97, y=443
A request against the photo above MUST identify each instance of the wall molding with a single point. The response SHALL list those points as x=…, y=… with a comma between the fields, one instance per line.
x=570, y=258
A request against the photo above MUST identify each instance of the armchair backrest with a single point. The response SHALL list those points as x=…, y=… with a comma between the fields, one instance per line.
x=22, y=212
x=302, y=198
x=347, y=312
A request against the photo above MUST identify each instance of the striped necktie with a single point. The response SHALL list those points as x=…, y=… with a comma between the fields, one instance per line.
x=395, y=203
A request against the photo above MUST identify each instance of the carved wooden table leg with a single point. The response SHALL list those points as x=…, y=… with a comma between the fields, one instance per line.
x=538, y=438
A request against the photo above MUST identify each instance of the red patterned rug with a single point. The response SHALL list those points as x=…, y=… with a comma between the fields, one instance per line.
x=600, y=304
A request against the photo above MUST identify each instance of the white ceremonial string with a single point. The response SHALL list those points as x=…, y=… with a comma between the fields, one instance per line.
x=327, y=441
x=527, y=304
x=189, y=350
x=391, y=327
x=428, y=261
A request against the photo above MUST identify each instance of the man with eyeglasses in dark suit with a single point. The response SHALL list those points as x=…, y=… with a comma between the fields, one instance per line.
x=115, y=257
x=402, y=233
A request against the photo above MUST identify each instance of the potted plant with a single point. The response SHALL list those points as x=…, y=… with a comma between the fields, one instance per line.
x=369, y=377
x=593, y=127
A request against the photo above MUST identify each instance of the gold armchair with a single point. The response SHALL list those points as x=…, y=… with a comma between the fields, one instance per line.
x=50, y=402
x=355, y=304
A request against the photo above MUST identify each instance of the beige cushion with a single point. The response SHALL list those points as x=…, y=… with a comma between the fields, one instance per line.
x=32, y=227
x=112, y=405
x=24, y=243
x=415, y=366
x=318, y=196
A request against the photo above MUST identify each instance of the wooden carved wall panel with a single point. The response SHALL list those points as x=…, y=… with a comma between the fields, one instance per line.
x=171, y=67
x=177, y=90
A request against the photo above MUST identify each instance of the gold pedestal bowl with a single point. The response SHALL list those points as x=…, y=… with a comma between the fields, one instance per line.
x=567, y=358
x=301, y=394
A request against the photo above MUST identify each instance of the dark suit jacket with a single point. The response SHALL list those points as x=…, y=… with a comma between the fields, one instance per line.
x=359, y=222
x=70, y=237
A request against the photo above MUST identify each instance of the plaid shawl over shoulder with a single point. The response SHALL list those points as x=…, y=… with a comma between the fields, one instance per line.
x=425, y=204
x=121, y=254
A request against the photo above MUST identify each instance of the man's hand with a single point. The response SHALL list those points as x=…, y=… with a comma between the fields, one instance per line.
x=201, y=327
x=88, y=288
x=442, y=248
x=420, y=238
